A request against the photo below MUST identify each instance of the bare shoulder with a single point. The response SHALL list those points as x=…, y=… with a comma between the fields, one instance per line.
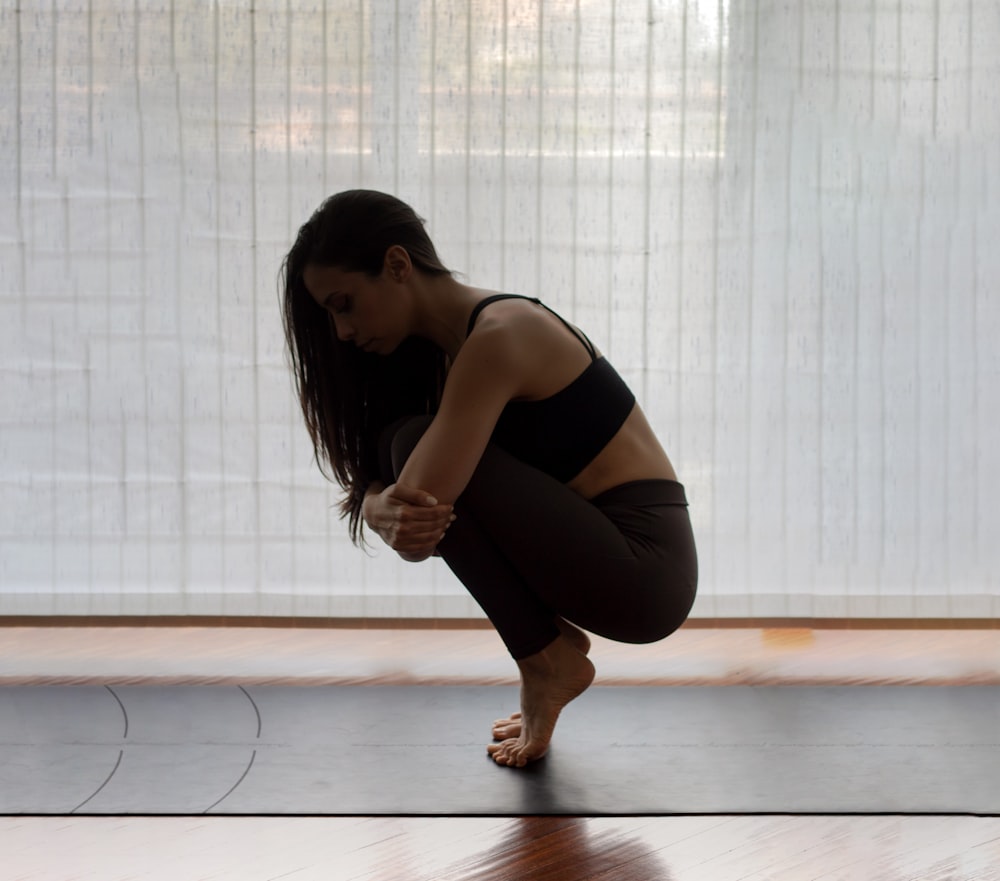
x=505, y=337
x=529, y=329
x=490, y=364
x=538, y=347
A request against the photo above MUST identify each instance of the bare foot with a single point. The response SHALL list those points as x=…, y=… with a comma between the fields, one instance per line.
x=505, y=729
x=550, y=679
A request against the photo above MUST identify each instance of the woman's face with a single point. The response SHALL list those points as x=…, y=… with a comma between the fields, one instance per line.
x=366, y=311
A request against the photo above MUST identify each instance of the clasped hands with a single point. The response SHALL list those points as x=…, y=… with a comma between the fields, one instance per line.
x=409, y=520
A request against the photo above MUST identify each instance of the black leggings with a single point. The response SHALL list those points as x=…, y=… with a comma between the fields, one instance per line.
x=530, y=549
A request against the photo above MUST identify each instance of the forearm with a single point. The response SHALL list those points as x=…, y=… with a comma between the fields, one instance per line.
x=444, y=459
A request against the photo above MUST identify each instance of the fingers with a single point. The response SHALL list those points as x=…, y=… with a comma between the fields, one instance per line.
x=410, y=528
x=427, y=520
x=411, y=521
x=416, y=548
x=418, y=537
x=411, y=495
x=419, y=507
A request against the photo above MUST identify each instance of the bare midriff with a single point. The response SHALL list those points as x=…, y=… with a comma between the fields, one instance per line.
x=633, y=453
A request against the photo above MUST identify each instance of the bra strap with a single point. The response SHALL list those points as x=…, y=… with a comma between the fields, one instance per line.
x=482, y=304
x=579, y=334
x=582, y=337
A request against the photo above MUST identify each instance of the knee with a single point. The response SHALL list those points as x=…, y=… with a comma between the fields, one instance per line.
x=664, y=616
x=397, y=443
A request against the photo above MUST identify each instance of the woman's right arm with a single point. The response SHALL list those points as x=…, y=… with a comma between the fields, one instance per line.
x=487, y=373
x=409, y=520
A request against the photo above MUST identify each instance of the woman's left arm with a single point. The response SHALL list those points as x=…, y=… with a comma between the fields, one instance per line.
x=488, y=371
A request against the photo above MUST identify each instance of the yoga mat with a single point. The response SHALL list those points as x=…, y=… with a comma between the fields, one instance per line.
x=422, y=750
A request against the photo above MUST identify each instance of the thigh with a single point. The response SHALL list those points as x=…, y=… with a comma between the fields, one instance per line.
x=622, y=565
x=572, y=554
x=539, y=520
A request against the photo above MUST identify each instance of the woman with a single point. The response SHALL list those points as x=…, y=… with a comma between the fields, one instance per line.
x=484, y=428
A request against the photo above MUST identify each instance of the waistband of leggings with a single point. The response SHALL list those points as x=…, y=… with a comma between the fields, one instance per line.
x=643, y=492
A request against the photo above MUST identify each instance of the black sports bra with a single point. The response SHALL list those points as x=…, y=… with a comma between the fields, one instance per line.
x=563, y=433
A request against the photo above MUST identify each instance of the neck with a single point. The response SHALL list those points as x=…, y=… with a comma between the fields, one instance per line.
x=441, y=309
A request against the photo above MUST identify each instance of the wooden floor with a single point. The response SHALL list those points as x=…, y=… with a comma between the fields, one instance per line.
x=692, y=656
x=504, y=849
x=721, y=848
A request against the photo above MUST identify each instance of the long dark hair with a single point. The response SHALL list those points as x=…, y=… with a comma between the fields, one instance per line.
x=348, y=396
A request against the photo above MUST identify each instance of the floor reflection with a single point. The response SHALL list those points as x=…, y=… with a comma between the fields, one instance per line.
x=563, y=848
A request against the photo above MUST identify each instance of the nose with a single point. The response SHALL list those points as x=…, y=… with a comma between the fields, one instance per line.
x=345, y=332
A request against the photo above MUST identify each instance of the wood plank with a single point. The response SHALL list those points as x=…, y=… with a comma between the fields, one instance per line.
x=248, y=656
x=503, y=849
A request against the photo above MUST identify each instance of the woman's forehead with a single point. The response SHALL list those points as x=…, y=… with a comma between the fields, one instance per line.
x=322, y=281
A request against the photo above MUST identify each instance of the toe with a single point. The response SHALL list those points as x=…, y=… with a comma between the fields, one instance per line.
x=505, y=729
x=501, y=752
x=506, y=732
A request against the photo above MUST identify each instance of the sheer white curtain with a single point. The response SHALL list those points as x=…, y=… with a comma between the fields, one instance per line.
x=779, y=220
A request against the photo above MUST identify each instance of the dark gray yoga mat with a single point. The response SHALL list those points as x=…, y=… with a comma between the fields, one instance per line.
x=421, y=750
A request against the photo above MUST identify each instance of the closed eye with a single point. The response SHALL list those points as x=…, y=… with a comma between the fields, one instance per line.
x=339, y=304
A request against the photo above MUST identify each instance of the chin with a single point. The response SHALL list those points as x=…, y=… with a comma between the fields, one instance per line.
x=385, y=348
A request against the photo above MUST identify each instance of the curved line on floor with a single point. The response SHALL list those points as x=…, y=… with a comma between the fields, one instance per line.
x=120, y=704
x=233, y=788
x=121, y=754
x=255, y=709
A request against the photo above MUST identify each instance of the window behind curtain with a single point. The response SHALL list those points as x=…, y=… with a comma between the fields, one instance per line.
x=778, y=220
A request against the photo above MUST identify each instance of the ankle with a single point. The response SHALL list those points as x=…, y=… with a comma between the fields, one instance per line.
x=549, y=659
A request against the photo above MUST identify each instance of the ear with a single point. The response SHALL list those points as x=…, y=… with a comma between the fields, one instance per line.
x=397, y=264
